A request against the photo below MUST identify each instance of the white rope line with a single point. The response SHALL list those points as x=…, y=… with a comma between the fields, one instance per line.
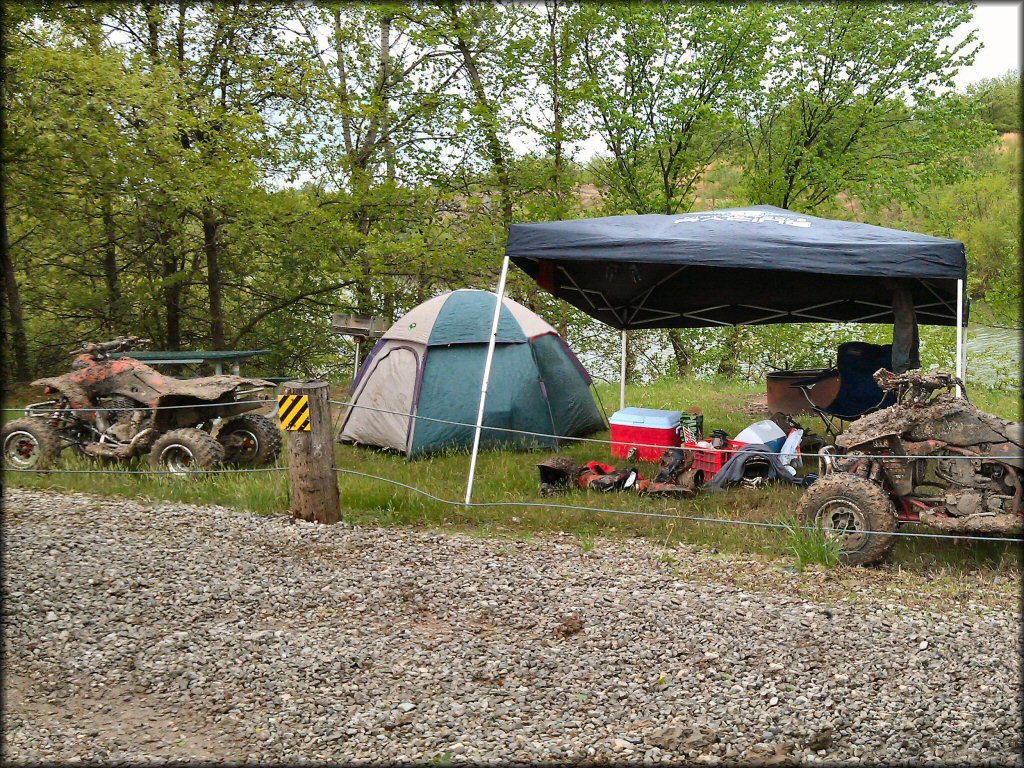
x=493, y=429
x=529, y=504
x=650, y=445
x=140, y=407
x=218, y=471
x=663, y=514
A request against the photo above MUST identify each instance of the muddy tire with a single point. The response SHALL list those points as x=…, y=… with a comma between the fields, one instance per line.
x=29, y=443
x=857, y=510
x=250, y=440
x=184, y=451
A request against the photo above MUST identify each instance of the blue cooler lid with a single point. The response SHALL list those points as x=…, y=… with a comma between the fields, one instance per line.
x=652, y=418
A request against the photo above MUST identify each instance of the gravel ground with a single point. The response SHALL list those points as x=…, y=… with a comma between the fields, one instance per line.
x=149, y=632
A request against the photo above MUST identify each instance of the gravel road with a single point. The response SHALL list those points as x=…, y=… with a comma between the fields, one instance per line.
x=149, y=632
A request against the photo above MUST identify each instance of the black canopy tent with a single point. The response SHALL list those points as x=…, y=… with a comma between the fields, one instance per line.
x=747, y=266
x=738, y=266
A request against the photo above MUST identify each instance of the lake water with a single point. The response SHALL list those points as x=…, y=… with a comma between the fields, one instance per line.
x=993, y=357
x=993, y=354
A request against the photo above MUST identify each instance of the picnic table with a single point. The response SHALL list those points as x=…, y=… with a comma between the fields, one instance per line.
x=197, y=357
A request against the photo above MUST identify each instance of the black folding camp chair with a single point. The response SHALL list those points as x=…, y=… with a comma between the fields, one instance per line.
x=859, y=393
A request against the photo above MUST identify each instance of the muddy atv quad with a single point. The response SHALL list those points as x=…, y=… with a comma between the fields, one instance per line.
x=119, y=408
x=932, y=459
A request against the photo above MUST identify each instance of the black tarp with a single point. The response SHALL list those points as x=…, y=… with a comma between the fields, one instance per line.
x=737, y=266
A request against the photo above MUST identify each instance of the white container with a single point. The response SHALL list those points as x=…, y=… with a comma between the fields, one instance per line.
x=788, y=453
x=767, y=432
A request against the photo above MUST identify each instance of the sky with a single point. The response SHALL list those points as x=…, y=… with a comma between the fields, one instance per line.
x=998, y=26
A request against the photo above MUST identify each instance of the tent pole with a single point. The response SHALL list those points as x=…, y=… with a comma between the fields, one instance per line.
x=959, y=332
x=500, y=294
x=622, y=374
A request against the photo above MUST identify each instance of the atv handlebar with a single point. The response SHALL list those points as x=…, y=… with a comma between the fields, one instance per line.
x=915, y=386
x=103, y=348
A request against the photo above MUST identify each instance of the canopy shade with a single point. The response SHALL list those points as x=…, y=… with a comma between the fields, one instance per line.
x=737, y=266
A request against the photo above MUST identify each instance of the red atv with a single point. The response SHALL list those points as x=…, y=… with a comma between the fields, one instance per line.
x=118, y=408
x=933, y=459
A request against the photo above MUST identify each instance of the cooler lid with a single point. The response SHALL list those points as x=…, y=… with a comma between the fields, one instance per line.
x=652, y=418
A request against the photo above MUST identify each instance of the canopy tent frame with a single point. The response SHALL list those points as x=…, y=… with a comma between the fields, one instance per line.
x=488, y=362
x=879, y=310
x=875, y=310
x=859, y=258
x=961, y=330
x=961, y=359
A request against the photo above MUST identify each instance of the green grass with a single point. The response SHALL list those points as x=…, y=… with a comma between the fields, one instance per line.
x=507, y=477
x=812, y=545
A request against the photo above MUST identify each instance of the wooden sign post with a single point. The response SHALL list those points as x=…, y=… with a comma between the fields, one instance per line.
x=305, y=414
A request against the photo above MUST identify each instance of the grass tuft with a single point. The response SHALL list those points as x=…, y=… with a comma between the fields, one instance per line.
x=810, y=544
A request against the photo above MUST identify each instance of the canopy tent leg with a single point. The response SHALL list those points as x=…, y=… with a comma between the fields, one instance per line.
x=622, y=375
x=961, y=341
x=500, y=294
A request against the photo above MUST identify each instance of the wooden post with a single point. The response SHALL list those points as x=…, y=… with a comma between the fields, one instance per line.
x=314, y=483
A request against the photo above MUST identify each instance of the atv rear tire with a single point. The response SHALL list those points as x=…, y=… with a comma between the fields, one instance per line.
x=857, y=510
x=184, y=451
x=250, y=440
x=29, y=443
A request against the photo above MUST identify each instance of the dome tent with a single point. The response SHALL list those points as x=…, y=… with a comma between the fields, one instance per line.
x=430, y=363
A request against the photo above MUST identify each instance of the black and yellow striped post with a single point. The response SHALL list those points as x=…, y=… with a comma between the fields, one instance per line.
x=293, y=412
x=305, y=415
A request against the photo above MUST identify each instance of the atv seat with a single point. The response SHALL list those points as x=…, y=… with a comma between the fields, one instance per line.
x=859, y=393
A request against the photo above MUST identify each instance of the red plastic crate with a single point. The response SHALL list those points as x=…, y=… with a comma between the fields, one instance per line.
x=711, y=461
x=625, y=437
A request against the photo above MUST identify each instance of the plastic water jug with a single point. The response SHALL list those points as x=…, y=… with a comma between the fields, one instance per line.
x=788, y=453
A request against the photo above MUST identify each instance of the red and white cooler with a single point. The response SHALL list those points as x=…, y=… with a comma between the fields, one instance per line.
x=636, y=427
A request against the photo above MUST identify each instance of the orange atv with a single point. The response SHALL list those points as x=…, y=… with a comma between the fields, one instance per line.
x=118, y=408
x=933, y=458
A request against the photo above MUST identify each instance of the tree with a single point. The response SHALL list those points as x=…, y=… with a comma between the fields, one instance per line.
x=998, y=100
x=131, y=159
x=854, y=104
x=659, y=82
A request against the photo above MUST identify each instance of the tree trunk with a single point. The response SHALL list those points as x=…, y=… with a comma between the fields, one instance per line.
x=679, y=350
x=19, y=339
x=630, y=356
x=339, y=50
x=171, y=291
x=110, y=271
x=556, y=104
x=364, y=291
x=493, y=142
x=385, y=118
x=211, y=247
x=729, y=363
x=153, y=30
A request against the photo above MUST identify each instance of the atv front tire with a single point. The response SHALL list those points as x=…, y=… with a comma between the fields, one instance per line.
x=251, y=440
x=855, y=509
x=29, y=443
x=184, y=451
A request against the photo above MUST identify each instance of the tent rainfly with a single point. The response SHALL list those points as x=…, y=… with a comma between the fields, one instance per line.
x=748, y=266
x=431, y=364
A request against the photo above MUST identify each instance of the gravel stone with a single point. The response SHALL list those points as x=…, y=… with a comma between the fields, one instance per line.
x=146, y=632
